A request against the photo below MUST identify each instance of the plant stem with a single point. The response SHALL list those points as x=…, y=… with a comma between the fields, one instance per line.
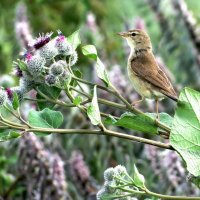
x=92, y=84
x=100, y=132
x=128, y=106
x=170, y=197
x=102, y=101
x=137, y=111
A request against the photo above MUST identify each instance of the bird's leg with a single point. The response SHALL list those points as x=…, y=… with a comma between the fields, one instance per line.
x=136, y=102
x=157, y=113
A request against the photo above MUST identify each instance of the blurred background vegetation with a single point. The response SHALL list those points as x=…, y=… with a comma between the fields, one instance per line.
x=174, y=27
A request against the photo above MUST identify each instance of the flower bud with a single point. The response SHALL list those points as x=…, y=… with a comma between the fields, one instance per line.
x=109, y=174
x=3, y=97
x=56, y=69
x=48, y=51
x=35, y=64
x=50, y=80
x=26, y=84
x=101, y=193
x=63, y=46
x=63, y=79
x=6, y=81
x=18, y=90
x=73, y=58
x=62, y=62
x=120, y=170
x=109, y=186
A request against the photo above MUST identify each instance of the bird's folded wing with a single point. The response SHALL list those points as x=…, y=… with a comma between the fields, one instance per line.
x=146, y=67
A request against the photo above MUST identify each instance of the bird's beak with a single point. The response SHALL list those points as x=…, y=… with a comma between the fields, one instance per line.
x=123, y=34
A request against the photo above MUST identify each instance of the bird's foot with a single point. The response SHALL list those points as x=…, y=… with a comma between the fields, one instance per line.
x=137, y=102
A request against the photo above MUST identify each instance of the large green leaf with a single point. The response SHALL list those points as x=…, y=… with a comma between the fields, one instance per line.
x=141, y=122
x=74, y=39
x=8, y=135
x=46, y=118
x=51, y=92
x=93, y=110
x=185, y=133
x=91, y=52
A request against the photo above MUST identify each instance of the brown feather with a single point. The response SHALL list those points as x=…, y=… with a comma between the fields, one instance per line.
x=145, y=66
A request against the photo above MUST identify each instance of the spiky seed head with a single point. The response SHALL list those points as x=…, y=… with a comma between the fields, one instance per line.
x=48, y=51
x=63, y=79
x=120, y=170
x=18, y=90
x=26, y=84
x=50, y=80
x=108, y=185
x=56, y=69
x=42, y=40
x=35, y=65
x=63, y=46
x=101, y=193
x=109, y=174
x=73, y=58
x=6, y=81
x=62, y=62
x=3, y=97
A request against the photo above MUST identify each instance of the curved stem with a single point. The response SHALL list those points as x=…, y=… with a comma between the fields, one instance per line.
x=100, y=132
x=92, y=84
x=170, y=197
x=137, y=111
x=102, y=101
x=49, y=99
x=129, y=107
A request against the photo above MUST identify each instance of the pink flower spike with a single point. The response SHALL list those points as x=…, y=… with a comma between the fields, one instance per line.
x=60, y=38
x=42, y=40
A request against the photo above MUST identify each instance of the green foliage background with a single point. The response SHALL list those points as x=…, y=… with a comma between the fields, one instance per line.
x=174, y=45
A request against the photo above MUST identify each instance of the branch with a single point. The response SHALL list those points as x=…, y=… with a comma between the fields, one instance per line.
x=127, y=106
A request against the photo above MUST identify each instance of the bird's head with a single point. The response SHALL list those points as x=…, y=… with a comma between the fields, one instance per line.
x=137, y=39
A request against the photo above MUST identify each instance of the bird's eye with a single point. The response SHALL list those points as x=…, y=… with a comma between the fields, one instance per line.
x=133, y=34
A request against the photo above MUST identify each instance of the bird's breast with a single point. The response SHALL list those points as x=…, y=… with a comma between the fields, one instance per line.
x=141, y=86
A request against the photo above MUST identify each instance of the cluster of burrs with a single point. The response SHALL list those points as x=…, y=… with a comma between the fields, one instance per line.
x=47, y=63
x=113, y=182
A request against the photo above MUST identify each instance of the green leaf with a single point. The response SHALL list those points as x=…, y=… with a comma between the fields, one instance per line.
x=144, y=123
x=15, y=102
x=77, y=73
x=101, y=72
x=8, y=135
x=45, y=119
x=163, y=117
x=195, y=180
x=74, y=39
x=185, y=133
x=93, y=110
x=22, y=65
x=138, y=178
x=77, y=101
x=52, y=92
x=136, y=122
x=90, y=51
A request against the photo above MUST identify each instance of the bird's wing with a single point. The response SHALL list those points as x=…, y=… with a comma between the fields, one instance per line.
x=146, y=67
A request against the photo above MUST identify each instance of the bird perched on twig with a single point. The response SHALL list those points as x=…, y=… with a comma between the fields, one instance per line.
x=148, y=79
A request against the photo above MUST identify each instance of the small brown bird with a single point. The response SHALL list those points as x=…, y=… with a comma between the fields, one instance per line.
x=148, y=79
